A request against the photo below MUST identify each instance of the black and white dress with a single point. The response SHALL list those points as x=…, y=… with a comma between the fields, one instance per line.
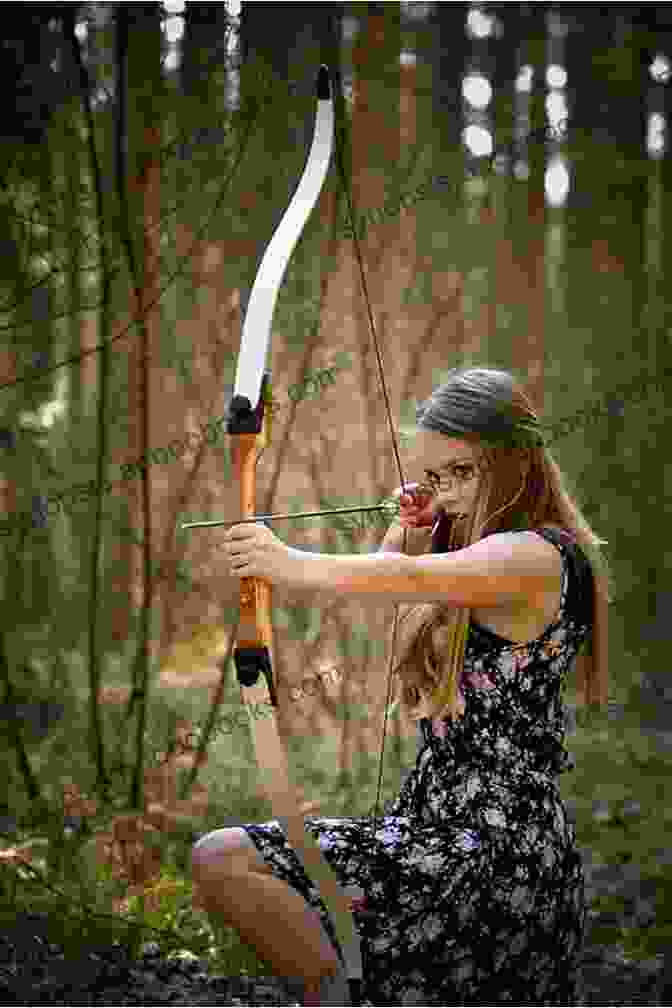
x=474, y=886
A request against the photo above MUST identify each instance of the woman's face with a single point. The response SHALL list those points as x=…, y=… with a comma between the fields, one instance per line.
x=451, y=467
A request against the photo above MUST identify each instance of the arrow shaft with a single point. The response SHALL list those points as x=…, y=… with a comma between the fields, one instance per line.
x=282, y=517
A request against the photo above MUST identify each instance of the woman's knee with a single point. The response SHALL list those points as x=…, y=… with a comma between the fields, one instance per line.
x=226, y=848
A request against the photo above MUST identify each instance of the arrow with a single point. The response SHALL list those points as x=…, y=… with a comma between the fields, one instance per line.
x=283, y=517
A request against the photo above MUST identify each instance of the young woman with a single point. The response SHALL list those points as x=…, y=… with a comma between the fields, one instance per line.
x=474, y=886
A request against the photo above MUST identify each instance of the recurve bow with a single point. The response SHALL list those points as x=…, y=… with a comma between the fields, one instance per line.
x=249, y=427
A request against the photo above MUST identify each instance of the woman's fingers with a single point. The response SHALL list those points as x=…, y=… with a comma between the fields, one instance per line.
x=415, y=506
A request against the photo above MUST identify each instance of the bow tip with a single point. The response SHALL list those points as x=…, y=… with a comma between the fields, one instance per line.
x=323, y=83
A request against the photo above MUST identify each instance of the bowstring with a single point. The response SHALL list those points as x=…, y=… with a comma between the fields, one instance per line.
x=381, y=373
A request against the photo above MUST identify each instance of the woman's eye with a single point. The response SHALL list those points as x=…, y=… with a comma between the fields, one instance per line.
x=462, y=473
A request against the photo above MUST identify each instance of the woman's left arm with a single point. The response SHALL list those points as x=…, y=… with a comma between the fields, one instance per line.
x=503, y=568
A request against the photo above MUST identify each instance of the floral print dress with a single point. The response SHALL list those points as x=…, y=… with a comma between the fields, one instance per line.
x=474, y=888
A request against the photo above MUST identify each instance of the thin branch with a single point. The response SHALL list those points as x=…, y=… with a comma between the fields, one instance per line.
x=102, y=782
x=29, y=376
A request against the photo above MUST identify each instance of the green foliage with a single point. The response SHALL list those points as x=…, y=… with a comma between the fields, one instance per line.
x=651, y=934
x=619, y=768
x=77, y=918
x=83, y=912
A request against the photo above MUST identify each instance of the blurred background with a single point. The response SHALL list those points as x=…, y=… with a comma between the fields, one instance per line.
x=510, y=174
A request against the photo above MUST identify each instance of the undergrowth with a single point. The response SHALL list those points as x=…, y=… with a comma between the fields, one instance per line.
x=82, y=917
x=147, y=893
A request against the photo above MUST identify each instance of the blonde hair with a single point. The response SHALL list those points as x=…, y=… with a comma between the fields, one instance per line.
x=521, y=486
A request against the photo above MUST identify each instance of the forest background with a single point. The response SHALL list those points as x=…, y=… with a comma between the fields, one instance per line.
x=510, y=173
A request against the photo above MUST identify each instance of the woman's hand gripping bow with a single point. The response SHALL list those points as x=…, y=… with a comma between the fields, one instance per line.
x=254, y=551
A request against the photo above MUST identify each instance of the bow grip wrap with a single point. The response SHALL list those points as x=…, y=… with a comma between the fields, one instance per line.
x=249, y=430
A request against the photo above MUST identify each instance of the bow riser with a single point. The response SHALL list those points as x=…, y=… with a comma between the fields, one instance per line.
x=249, y=430
x=255, y=593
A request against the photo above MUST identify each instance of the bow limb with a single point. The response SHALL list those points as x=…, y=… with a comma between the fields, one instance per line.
x=249, y=427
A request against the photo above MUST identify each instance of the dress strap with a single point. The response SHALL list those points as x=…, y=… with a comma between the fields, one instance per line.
x=579, y=605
